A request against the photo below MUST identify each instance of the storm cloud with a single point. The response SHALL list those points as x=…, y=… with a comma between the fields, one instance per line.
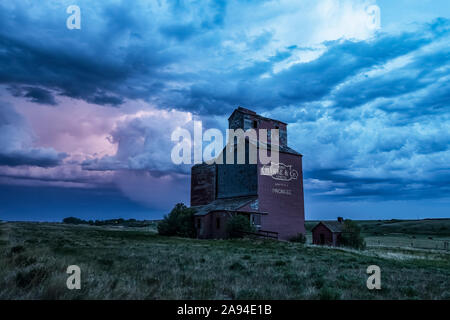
x=16, y=142
x=368, y=108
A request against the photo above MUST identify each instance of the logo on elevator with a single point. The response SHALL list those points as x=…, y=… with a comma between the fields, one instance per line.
x=279, y=171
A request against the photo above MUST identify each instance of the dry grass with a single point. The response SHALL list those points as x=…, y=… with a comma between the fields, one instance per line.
x=125, y=263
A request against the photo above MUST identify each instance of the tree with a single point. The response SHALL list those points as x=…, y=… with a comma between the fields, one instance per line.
x=300, y=238
x=179, y=222
x=238, y=224
x=351, y=235
x=73, y=220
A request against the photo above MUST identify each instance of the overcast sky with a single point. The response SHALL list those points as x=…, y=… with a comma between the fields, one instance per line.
x=86, y=115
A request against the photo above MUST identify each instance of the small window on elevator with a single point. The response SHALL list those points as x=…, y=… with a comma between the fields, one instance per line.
x=218, y=223
x=256, y=220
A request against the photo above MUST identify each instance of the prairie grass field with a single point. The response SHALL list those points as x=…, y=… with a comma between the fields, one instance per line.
x=137, y=263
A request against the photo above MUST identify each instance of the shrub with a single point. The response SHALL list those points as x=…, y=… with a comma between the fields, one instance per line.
x=236, y=266
x=329, y=294
x=106, y=262
x=300, y=238
x=32, y=278
x=351, y=235
x=17, y=249
x=237, y=225
x=280, y=263
x=73, y=220
x=23, y=260
x=179, y=222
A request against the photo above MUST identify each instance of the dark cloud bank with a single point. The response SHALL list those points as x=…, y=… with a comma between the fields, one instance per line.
x=371, y=117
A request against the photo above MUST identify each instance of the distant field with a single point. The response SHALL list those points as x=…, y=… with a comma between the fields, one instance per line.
x=438, y=227
x=136, y=263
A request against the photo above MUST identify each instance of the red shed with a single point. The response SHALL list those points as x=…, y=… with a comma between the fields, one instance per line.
x=328, y=233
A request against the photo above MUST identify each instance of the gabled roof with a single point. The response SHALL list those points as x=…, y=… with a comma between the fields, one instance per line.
x=229, y=204
x=268, y=146
x=253, y=113
x=286, y=149
x=244, y=110
x=333, y=226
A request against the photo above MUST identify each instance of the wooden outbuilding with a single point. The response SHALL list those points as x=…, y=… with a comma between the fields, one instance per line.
x=328, y=232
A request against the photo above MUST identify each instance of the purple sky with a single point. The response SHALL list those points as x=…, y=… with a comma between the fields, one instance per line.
x=86, y=115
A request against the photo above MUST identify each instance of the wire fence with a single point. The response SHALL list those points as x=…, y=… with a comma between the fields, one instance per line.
x=409, y=242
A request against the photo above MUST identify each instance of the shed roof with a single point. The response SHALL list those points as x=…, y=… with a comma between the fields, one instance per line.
x=333, y=226
x=229, y=204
